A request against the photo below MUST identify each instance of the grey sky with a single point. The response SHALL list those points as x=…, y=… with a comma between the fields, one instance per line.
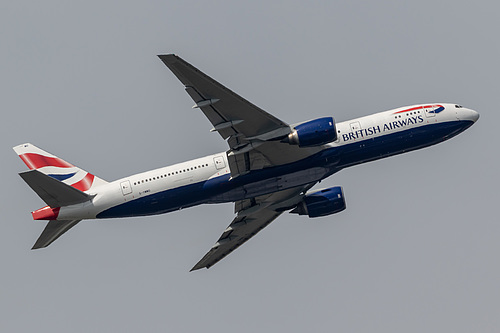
x=415, y=251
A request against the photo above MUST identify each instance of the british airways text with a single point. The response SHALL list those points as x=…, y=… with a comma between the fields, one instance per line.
x=365, y=132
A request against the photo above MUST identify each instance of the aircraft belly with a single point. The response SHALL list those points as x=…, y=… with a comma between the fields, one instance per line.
x=284, y=182
x=256, y=188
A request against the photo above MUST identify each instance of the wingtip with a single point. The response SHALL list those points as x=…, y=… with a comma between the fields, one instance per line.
x=167, y=56
x=196, y=267
x=37, y=246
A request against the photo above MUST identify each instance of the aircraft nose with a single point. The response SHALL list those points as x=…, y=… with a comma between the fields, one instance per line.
x=474, y=116
x=468, y=114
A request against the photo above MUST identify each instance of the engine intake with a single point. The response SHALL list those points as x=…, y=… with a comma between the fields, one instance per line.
x=313, y=133
x=321, y=203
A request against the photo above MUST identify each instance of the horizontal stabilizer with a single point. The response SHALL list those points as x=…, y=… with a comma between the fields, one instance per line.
x=53, y=231
x=54, y=192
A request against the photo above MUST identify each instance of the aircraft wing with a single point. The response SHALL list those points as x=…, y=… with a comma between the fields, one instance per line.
x=253, y=215
x=253, y=135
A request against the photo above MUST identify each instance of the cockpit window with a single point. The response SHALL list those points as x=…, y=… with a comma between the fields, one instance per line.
x=458, y=106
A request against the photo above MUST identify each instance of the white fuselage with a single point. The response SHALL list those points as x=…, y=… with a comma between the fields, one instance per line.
x=207, y=179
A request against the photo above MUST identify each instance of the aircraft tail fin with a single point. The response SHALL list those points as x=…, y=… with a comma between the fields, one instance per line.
x=59, y=184
x=53, y=231
x=57, y=168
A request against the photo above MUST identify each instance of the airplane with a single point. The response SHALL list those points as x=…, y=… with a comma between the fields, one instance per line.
x=269, y=168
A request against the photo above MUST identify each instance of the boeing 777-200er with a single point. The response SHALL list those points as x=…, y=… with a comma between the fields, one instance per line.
x=269, y=168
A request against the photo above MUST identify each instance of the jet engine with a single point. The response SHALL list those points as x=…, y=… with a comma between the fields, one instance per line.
x=313, y=133
x=321, y=203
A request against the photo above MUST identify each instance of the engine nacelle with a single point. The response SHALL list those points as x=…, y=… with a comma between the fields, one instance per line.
x=321, y=203
x=313, y=133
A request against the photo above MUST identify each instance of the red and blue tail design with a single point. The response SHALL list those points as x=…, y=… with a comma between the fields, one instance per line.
x=36, y=158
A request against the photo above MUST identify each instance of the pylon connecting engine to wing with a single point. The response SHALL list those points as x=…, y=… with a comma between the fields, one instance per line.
x=311, y=133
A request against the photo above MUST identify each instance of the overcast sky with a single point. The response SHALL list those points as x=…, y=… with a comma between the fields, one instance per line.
x=417, y=248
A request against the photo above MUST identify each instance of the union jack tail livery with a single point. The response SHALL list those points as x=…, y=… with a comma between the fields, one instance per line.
x=60, y=184
x=50, y=165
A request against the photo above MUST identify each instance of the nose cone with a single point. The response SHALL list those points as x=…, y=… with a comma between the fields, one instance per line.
x=474, y=116
x=468, y=115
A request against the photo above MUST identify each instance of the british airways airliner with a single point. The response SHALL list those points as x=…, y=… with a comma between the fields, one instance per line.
x=269, y=168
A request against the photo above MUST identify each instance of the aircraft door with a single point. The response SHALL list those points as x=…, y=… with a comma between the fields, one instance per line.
x=428, y=113
x=355, y=126
x=219, y=162
x=126, y=188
